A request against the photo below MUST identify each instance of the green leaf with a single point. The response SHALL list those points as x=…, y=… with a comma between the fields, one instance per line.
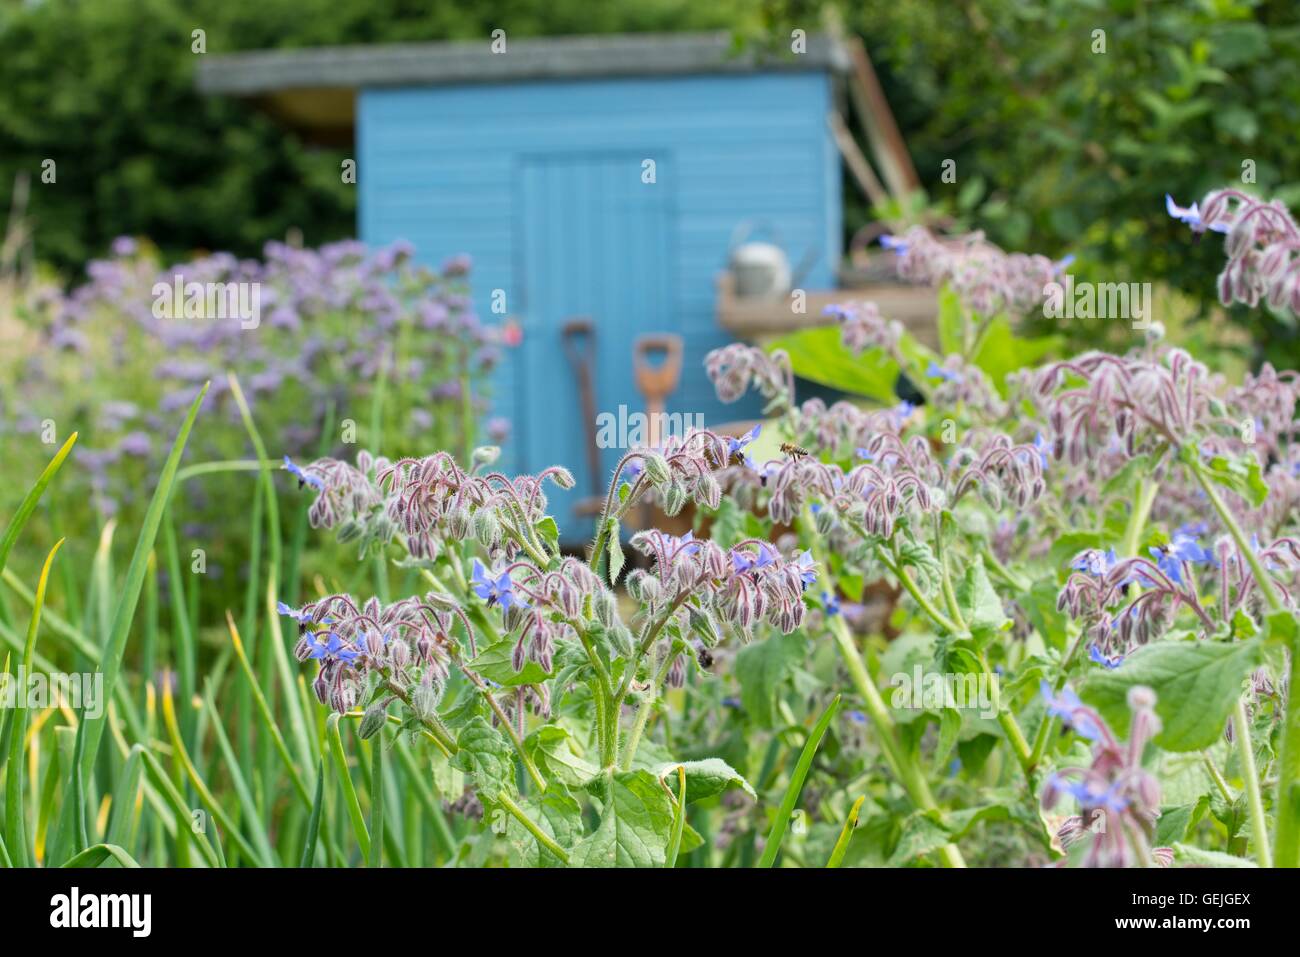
x=818, y=355
x=548, y=531
x=1195, y=857
x=846, y=834
x=556, y=813
x=951, y=321
x=485, y=755
x=552, y=749
x=100, y=854
x=1001, y=352
x=495, y=663
x=980, y=604
x=797, y=778
x=1196, y=685
x=33, y=496
x=635, y=826
x=761, y=668
x=705, y=778
x=922, y=834
x=615, y=551
x=1239, y=473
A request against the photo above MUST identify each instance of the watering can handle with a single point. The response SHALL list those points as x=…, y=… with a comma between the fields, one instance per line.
x=747, y=227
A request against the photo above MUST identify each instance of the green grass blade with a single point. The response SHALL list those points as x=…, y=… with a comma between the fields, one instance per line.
x=275, y=632
x=846, y=834
x=171, y=795
x=215, y=807
x=264, y=709
x=15, y=829
x=377, y=800
x=28, y=504
x=313, y=823
x=349, y=791
x=237, y=781
x=121, y=823
x=130, y=594
x=797, y=777
x=97, y=855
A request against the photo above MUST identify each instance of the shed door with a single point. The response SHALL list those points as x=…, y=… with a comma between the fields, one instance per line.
x=594, y=242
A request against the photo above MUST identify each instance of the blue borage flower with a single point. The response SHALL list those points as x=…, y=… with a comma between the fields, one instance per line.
x=736, y=446
x=857, y=717
x=1095, y=562
x=495, y=591
x=302, y=477
x=936, y=371
x=332, y=650
x=1070, y=710
x=1184, y=548
x=300, y=617
x=743, y=561
x=1109, y=662
x=683, y=545
x=894, y=244
x=807, y=569
x=831, y=603
x=1191, y=215
x=1089, y=794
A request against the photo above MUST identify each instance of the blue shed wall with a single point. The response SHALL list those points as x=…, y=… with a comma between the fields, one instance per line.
x=472, y=169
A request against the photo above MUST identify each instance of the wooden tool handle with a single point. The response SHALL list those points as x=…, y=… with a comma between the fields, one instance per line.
x=657, y=382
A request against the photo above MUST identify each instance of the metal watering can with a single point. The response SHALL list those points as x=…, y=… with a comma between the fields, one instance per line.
x=762, y=270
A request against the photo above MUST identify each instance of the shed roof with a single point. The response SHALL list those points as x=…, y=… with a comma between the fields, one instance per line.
x=648, y=54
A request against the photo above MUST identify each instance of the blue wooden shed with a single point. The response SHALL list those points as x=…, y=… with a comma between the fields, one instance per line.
x=596, y=176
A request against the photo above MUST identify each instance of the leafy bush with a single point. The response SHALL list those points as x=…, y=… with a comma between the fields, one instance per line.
x=1180, y=98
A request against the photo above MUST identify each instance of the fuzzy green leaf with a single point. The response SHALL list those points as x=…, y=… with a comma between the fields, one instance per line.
x=1196, y=686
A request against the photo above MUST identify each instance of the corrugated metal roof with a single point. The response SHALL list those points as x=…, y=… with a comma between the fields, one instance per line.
x=414, y=64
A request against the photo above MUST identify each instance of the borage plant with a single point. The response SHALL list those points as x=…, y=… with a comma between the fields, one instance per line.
x=508, y=625
x=1076, y=578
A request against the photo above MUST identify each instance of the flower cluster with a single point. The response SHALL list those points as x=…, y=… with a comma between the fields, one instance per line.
x=733, y=369
x=1262, y=244
x=1142, y=402
x=323, y=334
x=1119, y=801
x=699, y=582
x=987, y=279
x=401, y=650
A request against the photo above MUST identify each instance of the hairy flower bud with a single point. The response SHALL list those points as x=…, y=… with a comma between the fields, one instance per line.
x=458, y=522
x=674, y=499
x=486, y=528
x=656, y=468
x=372, y=721
x=424, y=700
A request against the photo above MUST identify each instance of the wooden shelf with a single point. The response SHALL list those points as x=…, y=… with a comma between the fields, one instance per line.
x=916, y=307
